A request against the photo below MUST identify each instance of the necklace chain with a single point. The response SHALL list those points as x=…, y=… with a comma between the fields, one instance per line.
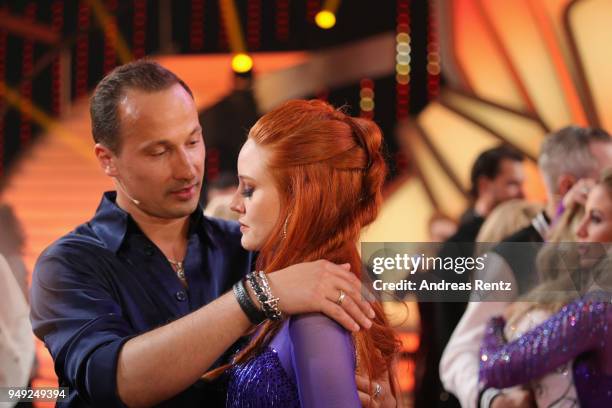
x=179, y=268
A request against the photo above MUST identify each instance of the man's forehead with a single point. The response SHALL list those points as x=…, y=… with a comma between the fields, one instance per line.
x=136, y=99
x=510, y=166
x=602, y=151
x=157, y=116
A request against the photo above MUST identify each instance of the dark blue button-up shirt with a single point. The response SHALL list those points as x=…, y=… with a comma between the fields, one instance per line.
x=106, y=282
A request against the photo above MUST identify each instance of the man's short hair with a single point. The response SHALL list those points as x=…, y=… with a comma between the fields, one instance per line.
x=143, y=75
x=488, y=164
x=567, y=151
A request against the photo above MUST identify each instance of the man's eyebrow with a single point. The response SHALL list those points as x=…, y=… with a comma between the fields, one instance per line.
x=196, y=130
x=152, y=143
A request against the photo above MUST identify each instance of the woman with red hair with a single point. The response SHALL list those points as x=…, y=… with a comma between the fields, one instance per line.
x=310, y=179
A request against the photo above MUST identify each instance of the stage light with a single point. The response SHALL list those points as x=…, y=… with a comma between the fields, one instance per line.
x=242, y=63
x=325, y=19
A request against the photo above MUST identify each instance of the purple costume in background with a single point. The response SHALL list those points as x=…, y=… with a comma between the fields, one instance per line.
x=309, y=363
x=579, y=332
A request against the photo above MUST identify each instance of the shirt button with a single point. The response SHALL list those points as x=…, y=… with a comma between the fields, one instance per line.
x=181, y=296
x=149, y=250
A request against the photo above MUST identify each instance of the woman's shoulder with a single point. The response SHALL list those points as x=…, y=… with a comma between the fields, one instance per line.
x=317, y=327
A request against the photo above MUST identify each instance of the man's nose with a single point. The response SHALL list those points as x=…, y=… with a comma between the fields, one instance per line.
x=184, y=167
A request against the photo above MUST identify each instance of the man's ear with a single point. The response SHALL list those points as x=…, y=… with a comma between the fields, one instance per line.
x=106, y=158
x=484, y=186
x=565, y=183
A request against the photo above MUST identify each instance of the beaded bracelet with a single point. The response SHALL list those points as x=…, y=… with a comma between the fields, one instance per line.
x=272, y=301
x=269, y=304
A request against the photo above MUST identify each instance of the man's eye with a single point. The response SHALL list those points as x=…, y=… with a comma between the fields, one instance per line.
x=158, y=153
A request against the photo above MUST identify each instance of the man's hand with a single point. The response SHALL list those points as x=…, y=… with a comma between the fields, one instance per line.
x=317, y=287
x=367, y=392
x=514, y=398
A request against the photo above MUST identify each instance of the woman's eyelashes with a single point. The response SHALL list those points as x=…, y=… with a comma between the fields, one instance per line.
x=595, y=218
x=247, y=191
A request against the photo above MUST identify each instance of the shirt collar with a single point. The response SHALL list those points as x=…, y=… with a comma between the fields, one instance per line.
x=111, y=222
x=541, y=223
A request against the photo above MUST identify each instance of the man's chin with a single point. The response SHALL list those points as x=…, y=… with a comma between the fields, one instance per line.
x=180, y=210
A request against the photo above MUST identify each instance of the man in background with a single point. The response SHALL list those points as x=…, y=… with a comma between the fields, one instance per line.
x=496, y=176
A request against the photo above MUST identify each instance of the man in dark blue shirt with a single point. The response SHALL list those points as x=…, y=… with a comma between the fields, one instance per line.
x=131, y=305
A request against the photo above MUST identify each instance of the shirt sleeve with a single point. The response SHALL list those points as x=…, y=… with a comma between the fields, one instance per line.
x=459, y=362
x=16, y=342
x=323, y=357
x=75, y=314
x=578, y=327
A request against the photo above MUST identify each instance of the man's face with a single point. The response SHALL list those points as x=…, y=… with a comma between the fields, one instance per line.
x=602, y=152
x=508, y=184
x=161, y=158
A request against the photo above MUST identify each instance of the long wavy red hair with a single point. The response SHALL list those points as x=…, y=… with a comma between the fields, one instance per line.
x=329, y=169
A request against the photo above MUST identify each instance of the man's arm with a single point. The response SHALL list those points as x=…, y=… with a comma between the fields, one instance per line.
x=186, y=348
x=97, y=351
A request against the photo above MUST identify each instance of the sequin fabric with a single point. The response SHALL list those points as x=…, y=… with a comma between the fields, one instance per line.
x=579, y=331
x=260, y=383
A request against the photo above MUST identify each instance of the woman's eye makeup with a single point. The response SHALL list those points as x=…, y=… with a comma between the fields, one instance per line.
x=595, y=219
x=247, y=191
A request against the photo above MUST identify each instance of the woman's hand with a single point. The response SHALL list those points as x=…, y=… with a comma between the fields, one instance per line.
x=369, y=396
x=578, y=193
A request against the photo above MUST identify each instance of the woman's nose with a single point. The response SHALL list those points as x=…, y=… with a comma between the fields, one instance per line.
x=236, y=203
x=581, y=231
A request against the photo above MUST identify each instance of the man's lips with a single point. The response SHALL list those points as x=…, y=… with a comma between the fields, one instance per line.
x=243, y=227
x=185, y=192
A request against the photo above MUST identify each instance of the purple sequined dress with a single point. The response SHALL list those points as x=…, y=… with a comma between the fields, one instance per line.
x=309, y=363
x=579, y=332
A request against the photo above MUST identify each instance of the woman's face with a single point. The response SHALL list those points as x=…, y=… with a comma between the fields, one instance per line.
x=257, y=200
x=596, y=225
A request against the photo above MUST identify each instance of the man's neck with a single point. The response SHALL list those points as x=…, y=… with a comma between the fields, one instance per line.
x=482, y=208
x=169, y=234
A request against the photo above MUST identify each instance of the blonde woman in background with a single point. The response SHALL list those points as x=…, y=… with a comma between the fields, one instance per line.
x=566, y=359
x=504, y=220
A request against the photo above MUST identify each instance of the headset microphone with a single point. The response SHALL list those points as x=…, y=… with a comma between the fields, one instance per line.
x=136, y=202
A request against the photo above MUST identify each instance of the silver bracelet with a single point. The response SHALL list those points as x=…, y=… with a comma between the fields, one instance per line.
x=273, y=311
x=488, y=395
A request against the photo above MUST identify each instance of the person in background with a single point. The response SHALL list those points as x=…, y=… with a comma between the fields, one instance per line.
x=441, y=227
x=497, y=176
x=573, y=345
x=219, y=194
x=16, y=342
x=12, y=245
x=504, y=220
x=567, y=157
